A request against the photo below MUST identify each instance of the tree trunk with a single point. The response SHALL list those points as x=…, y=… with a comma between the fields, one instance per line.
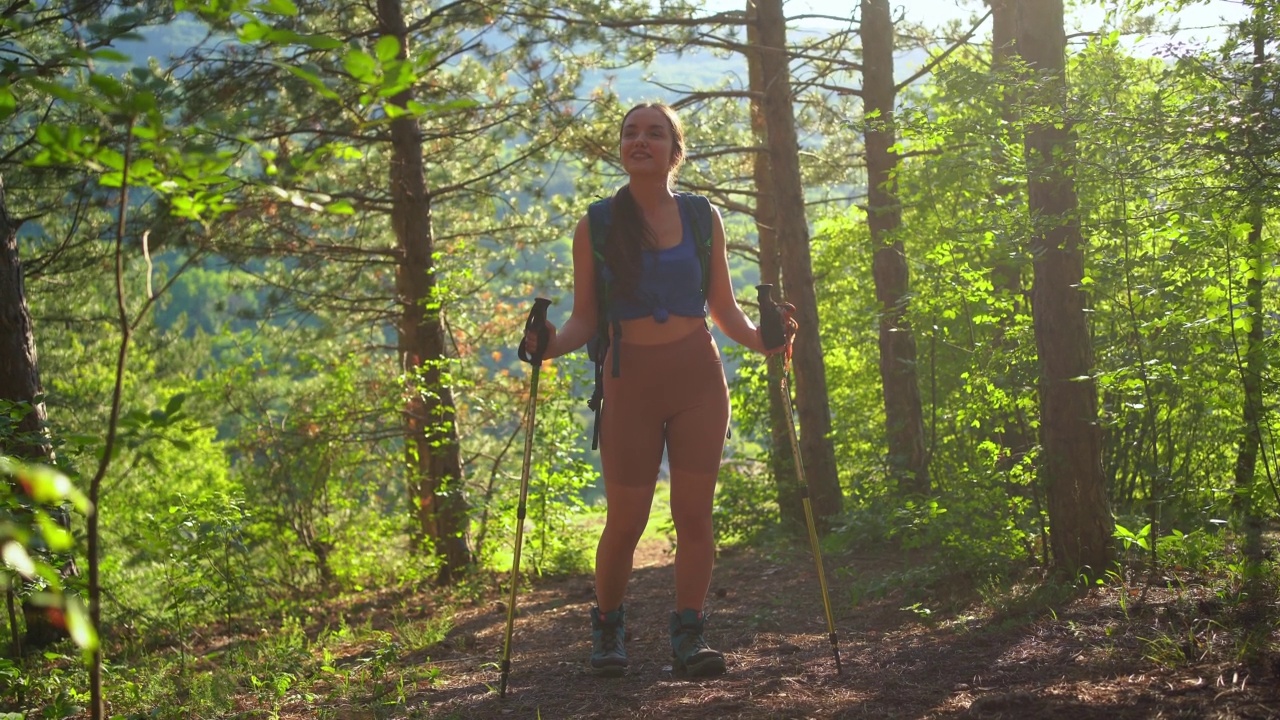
x=20, y=382
x=814, y=410
x=431, y=435
x=1255, y=361
x=904, y=421
x=782, y=462
x=1080, y=521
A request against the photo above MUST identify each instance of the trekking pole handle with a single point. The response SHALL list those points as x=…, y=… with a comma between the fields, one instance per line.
x=537, y=321
x=770, y=318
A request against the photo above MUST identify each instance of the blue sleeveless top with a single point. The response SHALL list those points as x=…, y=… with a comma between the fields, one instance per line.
x=670, y=283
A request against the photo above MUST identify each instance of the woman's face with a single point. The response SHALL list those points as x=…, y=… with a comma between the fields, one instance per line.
x=647, y=147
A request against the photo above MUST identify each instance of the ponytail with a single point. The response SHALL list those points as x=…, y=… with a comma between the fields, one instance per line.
x=629, y=235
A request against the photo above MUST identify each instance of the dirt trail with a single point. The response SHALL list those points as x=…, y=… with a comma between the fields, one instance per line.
x=765, y=614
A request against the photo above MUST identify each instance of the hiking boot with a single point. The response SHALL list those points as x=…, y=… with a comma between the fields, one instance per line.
x=608, y=656
x=692, y=656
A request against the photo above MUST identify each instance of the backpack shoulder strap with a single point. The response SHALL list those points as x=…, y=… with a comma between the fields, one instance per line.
x=599, y=214
x=698, y=207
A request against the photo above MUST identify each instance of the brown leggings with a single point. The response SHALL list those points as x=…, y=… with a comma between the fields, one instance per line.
x=673, y=393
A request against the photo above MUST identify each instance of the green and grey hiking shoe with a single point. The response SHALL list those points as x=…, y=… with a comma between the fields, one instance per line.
x=692, y=656
x=608, y=630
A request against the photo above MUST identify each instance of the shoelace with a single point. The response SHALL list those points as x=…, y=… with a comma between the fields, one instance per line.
x=691, y=635
x=608, y=638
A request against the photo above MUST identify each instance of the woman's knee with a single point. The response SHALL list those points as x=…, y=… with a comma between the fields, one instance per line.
x=625, y=530
x=692, y=524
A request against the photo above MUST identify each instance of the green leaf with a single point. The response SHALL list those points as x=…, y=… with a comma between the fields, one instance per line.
x=387, y=49
x=254, y=31
x=278, y=7
x=340, y=207
x=175, y=403
x=110, y=55
x=142, y=167
x=16, y=557
x=361, y=66
x=320, y=42
x=79, y=625
x=55, y=536
x=44, y=484
x=107, y=85
x=314, y=80
x=8, y=103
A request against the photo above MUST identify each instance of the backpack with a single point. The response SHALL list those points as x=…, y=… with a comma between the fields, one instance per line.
x=599, y=214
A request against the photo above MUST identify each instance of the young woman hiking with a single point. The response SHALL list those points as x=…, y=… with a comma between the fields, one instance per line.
x=664, y=383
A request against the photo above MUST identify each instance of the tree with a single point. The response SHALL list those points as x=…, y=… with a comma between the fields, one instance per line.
x=904, y=422
x=1080, y=520
x=814, y=410
x=431, y=432
x=765, y=216
x=20, y=383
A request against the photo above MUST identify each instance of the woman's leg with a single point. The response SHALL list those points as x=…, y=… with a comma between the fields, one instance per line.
x=631, y=436
x=695, y=443
x=691, y=499
x=627, y=515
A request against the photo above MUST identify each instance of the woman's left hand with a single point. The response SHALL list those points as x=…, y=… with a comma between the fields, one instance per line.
x=789, y=328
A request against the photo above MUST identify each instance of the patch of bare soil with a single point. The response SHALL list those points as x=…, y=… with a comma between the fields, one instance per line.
x=1088, y=657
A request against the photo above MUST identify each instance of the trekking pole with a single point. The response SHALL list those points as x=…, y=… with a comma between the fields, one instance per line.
x=771, y=331
x=537, y=321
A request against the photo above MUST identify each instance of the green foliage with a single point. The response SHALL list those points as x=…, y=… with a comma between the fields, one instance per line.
x=33, y=544
x=560, y=477
x=746, y=505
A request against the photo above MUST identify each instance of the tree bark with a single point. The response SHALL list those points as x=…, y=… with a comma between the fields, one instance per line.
x=20, y=382
x=814, y=410
x=904, y=420
x=1080, y=521
x=782, y=462
x=431, y=434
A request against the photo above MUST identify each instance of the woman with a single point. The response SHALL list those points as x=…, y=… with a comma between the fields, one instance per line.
x=671, y=386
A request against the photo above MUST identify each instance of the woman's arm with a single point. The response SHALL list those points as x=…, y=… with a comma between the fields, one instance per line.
x=725, y=311
x=581, y=324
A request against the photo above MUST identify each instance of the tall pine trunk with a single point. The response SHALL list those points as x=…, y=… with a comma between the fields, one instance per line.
x=782, y=461
x=813, y=407
x=904, y=420
x=431, y=433
x=1080, y=521
x=20, y=382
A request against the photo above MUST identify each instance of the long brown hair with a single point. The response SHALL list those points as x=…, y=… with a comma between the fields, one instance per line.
x=629, y=234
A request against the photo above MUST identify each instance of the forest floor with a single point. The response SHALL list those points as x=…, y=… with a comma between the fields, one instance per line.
x=1180, y=648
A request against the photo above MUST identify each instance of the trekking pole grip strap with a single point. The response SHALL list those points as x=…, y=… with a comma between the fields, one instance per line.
x=537, y=321
x=770, y=318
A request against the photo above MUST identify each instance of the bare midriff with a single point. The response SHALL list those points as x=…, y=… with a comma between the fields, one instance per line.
x=647, y=331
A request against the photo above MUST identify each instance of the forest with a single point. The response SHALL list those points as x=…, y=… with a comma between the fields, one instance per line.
x=270, y=451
